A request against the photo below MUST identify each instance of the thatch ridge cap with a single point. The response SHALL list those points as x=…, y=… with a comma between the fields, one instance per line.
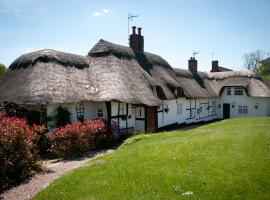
x=104, y=47
x=49, y=55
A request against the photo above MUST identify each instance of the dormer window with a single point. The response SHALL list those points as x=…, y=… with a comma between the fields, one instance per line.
x=238, y=91
x=229, y=91
x=160, y=93
x=179, y=92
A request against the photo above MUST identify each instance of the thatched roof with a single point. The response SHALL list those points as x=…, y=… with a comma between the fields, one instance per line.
x=111, y=72
x=205, y=85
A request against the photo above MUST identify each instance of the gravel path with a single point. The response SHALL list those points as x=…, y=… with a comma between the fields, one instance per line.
x=55, y=168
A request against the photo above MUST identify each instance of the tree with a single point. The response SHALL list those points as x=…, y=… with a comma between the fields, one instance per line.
x=257, y=62
x=253, y=60
x=3, y=69
x=265, y=70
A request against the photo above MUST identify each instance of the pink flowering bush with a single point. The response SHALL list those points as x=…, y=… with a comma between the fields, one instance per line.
x=80, y=137
x=18, y=156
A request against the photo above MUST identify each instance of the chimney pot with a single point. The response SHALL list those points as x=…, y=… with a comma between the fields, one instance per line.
x=139, y=30
x=136, y=41
x=192, y=65
x=215, y=67
x=134, y=30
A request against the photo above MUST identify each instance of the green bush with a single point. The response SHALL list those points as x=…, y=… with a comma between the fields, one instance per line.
x=62, y=117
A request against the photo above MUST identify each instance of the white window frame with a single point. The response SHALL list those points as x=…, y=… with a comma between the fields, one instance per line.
x=214, y=107
x=179, y=108
x=229, y=91
x=100, y=113
x=243, y=110
x=238, y=91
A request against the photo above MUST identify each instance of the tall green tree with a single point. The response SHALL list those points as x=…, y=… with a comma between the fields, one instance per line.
x=265, y=70
x=258, y=62
x=3, y=69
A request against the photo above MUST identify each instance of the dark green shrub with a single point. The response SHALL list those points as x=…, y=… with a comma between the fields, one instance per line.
x=62, y=117
x=43, y=139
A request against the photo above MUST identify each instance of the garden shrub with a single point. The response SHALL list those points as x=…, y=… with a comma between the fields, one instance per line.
x=62, y=117
x=18, y=156
x=80, y=137
x=43, y=139
x=70, y=140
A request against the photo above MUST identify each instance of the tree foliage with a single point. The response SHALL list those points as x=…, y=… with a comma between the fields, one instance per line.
x=3, y=69
x=257, y=62
x=265, y=70
x=253, y=60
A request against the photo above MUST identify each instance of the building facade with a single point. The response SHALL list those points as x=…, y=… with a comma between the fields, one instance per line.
x=132, y=89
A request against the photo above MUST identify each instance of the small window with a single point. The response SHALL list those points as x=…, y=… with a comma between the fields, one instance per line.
x=122, y=109
x=229, y=91
x=243, y=110
x=100, y=113
x=192, y=113
x=179, y=92
x=80, y=112
x=238, y=91
x=213, y=107
x=179, y=108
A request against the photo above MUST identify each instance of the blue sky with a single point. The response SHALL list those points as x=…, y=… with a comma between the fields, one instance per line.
x=172, y=29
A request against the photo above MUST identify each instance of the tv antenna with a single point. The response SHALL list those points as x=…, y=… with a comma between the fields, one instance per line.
x=130, y=18
x=212, y=55
x=195, y=53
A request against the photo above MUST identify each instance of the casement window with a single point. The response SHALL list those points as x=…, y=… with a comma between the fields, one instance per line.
x=180, y=92
x=179, y=108
x=238, y=91
x=199, y=110
x=43, y=115
x=229, y=91
x=243, y=110
x=122, y=109
x=100, y=113
x=192, y=113
x=214, y=106
x=80, y=112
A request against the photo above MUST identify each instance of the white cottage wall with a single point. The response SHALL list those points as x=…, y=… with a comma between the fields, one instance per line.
x=123, y=111
x=256, y=106
x=90, y=110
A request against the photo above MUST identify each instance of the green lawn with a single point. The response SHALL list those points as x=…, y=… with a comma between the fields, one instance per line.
x=223, y=160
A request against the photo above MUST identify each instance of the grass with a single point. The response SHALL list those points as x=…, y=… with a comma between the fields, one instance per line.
x=223, y=160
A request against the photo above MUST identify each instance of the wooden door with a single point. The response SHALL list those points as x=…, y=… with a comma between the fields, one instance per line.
x=226, y=110
x=151, y=119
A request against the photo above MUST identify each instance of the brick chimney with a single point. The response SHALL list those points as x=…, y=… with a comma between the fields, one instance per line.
x=215, y=66
x=136, y=41
x=192, y=65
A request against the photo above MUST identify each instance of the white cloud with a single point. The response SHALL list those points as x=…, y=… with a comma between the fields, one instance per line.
x=105, y=10
x=99, y=13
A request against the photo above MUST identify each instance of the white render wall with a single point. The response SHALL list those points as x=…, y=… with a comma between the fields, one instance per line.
x=123, y=110
x=90, y=110
x=179, y=111
x=263, y=104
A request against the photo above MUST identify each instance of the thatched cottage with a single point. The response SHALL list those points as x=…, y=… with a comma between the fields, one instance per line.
x=134, y=89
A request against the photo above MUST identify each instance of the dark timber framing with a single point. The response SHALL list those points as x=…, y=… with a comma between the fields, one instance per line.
x=191, y=109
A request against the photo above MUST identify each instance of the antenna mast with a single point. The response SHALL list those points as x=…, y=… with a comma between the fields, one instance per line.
x=195, y=53
x=130, y=18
